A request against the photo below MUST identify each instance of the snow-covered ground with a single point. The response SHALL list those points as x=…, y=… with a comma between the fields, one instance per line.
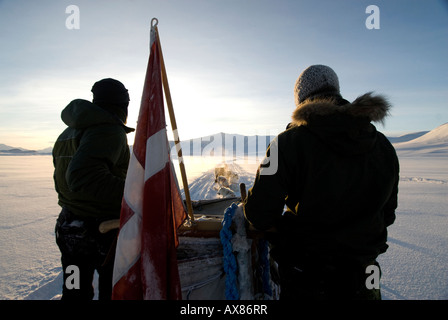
x=414, y=267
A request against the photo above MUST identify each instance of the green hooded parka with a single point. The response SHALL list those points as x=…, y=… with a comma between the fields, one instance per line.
x=91, y=159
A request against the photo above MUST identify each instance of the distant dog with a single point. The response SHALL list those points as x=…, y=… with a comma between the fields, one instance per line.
x=222, y=181
x=226, y=193
x=220, y=171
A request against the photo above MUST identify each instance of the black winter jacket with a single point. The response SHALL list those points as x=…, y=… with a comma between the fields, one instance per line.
x=338, y=178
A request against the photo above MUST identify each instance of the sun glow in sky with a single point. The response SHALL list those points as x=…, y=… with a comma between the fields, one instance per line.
x=231, y=64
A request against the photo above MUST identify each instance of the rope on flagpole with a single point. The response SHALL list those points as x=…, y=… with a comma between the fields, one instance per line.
x=169, y=102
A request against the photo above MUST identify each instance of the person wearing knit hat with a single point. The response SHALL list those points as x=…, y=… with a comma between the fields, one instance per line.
x=337, y=176
x=91, y=158
x=316, y=80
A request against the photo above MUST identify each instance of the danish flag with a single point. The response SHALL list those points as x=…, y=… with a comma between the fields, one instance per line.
x=145, y=265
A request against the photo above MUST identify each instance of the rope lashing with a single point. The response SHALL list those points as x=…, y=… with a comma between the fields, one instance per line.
x=265, y=267
x=229, y=261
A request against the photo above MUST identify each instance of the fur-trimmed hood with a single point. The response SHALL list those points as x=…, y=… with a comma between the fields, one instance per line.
x=375, y=108
x=343, y=126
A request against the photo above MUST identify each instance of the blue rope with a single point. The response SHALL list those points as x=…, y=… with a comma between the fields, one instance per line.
x=229, y=260
x=265, y=266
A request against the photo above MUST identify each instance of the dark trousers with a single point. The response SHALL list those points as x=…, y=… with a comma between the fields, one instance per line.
x=84, y=250
x=320, y=281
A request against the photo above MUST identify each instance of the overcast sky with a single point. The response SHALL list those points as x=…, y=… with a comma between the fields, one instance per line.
x=231, y=64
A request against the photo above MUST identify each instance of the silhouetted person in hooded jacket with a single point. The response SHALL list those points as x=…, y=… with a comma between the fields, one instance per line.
x=91, y=159
x=337, y=177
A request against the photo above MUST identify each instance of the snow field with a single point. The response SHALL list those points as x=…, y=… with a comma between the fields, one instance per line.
x=414, y=268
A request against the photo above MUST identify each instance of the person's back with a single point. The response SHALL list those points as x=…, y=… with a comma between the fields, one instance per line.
x=338, y=177
x=91, y=158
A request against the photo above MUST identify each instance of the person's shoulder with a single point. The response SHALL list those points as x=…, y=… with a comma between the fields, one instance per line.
x=106, y=131
x=293, y=132
x=386, y=144
x=383, y=139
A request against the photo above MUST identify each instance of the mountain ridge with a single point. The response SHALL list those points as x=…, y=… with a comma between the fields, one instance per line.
x=219, y=142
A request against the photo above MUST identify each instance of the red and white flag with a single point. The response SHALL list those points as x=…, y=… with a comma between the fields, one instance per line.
x=152, y=209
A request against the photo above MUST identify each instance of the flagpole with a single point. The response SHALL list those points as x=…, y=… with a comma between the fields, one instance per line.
x=174, y=125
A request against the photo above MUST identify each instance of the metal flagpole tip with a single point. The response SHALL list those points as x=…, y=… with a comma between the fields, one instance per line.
x=152, y=37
